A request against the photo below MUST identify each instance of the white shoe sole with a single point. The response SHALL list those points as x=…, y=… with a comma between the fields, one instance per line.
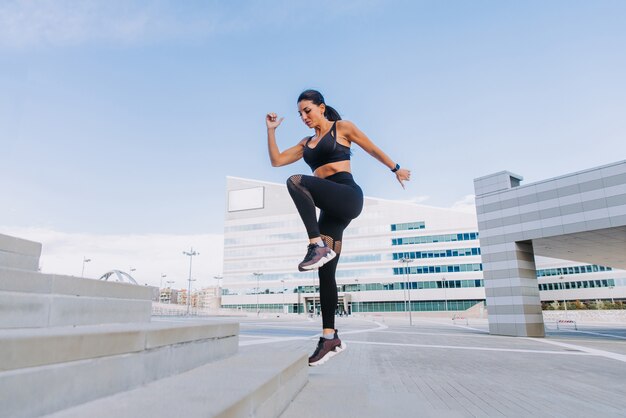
x=321, y=262
x=330, y=355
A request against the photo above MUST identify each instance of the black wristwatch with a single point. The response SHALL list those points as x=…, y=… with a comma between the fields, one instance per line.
x=396, y=168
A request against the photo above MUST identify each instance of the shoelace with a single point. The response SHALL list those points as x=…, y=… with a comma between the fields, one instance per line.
x=310, y=252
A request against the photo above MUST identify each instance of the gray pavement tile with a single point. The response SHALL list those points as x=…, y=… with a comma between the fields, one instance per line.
x=460, y=378
x=437, y=369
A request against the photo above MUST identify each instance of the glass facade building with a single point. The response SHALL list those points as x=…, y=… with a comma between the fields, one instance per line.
x=393, y=252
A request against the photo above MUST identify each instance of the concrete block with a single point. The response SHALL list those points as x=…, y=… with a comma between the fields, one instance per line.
x=28, y=310
x=21, y=348
x=20, y=310
x=61, y=386
x=16, y=245
x=69, y=285
x=250, y=384
x=36, y=347
x=12, y=280
x=15, y=280
x=79, y=310
x=19, y=261
x=168, y=335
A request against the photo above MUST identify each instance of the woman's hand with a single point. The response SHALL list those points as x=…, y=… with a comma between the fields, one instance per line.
x=403, y=175
x=272, y=121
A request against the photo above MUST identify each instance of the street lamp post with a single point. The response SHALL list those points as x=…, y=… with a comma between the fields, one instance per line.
x=219, y=290
x=163, y=276
x=358, y=289
x=564, y=299
x=406, y=262
x=611, y=293
x=257, y=275
x=190, y=254
x=218, y=278
x=85, y=260
x=444, y=283
x=283, y=286
x=170, y=282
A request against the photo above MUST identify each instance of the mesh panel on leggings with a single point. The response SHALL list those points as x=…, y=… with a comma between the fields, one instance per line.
x=332, y=244
x=296, y=181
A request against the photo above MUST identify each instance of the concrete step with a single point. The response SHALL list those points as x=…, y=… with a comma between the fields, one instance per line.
x=50, y=369
x=32, y=347
x=250, y=384
x=31, y=299
x=15, y=280
x=19, y=253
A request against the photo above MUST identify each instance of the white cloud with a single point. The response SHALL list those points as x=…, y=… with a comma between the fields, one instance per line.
x=27, y=23
x=467, y=204
x=151, y=255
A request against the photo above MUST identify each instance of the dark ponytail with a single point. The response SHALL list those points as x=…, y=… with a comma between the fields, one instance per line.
x=316, y=98
x=331, y=114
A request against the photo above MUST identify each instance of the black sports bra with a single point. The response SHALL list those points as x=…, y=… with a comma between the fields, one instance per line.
x=327, y=150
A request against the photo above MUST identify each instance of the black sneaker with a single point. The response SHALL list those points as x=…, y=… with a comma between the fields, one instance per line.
x=326, y=349
x=316, y=257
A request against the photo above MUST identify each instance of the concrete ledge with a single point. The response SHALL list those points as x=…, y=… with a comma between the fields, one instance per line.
x=37, y=347
x=29, y=310
x=15, y=280
x=18, y=310
x=36, y=391
x=22, y=247
x=250, y=384
x=19, y=261
x=19, y=253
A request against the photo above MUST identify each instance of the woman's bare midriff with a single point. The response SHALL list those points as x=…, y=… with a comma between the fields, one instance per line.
x=332, y=168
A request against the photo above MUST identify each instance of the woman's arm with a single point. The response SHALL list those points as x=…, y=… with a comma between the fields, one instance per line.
x=354, y=134
x=290, y=155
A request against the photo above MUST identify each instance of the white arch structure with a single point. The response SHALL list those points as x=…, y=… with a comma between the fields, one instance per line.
x=119, y=276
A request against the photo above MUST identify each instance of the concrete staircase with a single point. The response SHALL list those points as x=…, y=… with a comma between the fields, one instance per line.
x=79, y=347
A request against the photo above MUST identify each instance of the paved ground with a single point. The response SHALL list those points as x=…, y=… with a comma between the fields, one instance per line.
x=438, y=369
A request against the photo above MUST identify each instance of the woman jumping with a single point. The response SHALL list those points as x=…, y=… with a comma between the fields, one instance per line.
x=333, y=190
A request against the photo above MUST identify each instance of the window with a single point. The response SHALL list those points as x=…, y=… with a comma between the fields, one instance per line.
x=245, y=199
x=408, y=226
x=435, y=238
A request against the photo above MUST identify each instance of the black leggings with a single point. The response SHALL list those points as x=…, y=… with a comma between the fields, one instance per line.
x=340, y=200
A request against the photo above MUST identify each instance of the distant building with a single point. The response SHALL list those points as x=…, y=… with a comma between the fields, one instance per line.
x=263, y=234
x=169, y=295
x=207, y=298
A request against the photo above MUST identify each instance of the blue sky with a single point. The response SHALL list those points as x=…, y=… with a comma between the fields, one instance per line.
x=123, y=118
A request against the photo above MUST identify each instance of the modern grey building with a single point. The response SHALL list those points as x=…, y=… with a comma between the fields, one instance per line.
x=579, y=216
